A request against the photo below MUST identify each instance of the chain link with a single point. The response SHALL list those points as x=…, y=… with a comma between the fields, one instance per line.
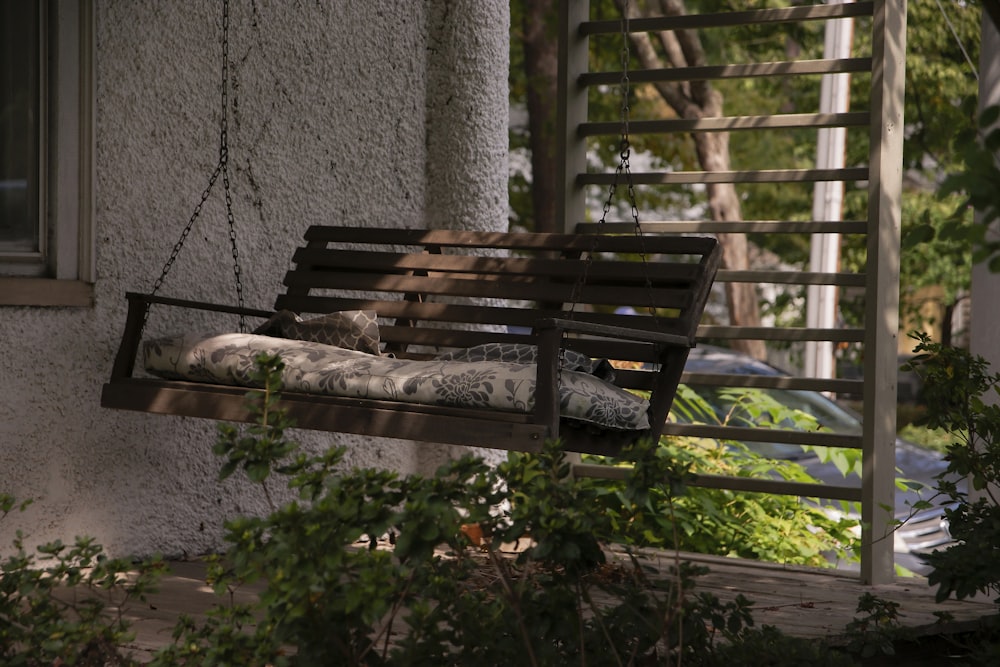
x=625, y=152
x=624, y=147
x=623, y=168
x=224, y=163
x=221, y=168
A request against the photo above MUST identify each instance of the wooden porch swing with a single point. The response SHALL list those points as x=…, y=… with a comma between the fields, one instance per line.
x=442, y=291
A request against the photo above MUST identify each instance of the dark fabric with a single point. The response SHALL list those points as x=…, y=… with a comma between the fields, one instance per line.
x=523, y=353
x=349, y=329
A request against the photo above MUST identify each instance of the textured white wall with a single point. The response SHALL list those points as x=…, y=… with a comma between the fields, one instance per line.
x=376, y=113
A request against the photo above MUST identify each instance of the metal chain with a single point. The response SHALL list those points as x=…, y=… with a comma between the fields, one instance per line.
x=624, y=146
x=224, y=163
x=624, y=167
x=221, y=168
x=624, y=153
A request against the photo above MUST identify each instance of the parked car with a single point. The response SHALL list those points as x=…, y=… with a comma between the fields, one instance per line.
x=922, y=531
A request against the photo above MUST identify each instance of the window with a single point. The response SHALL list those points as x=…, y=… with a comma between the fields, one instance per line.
x=46, y=63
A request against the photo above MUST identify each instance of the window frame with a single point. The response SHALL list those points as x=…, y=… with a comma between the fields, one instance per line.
x=66, y=154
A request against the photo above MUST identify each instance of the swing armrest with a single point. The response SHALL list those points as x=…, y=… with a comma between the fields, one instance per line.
x=138, y=307
x=672, y=354
x=139, y=298
x=549, y=333
x=608, y=331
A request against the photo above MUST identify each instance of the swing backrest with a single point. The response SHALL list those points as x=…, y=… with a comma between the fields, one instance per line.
x=440, y=289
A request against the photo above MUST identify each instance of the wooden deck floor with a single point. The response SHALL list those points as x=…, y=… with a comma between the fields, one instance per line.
x=799, y=601
x=810, y=602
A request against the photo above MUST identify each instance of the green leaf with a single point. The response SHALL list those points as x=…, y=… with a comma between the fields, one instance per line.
x=989, y=116
x=258, y=471
x=228, y=468
x=917, y=235
x=992, y=141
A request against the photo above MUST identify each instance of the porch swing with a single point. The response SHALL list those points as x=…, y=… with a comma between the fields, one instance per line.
x=487, y=339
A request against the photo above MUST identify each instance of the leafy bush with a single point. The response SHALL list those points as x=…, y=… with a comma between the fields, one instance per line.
x=368, y=567
x=371, y=567
x=977, y=181
x=956, y=384
x=777, y=528
x=65, y=604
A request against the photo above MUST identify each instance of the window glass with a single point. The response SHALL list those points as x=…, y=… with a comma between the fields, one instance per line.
x=21, y=234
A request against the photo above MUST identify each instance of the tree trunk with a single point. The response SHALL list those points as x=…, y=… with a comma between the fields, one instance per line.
x=724, y=204
x=698, y=99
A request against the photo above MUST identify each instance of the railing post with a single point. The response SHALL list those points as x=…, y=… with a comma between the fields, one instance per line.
x=882, y=291
x=574, y=60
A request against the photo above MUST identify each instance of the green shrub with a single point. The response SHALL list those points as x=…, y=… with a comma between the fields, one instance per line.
x=375, y=568
x=369, y=567
x=777, y=528
x=956, y=386
x=65, y=604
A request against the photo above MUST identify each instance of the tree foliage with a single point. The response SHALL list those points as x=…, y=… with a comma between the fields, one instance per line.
x=943, y=43
x=962, y=401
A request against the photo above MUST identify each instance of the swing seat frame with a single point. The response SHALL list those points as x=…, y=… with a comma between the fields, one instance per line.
x=439, y=290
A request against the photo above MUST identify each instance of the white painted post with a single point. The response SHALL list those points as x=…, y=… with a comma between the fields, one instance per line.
x=574, y=60
x=828, y=198
x=882, y=292
x=985, y=284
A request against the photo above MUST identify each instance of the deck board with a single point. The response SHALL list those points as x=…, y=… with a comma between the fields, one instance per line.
x=810, y=602
x=802, y=602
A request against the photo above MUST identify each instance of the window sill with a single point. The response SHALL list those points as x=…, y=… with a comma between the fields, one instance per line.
x=46, y=292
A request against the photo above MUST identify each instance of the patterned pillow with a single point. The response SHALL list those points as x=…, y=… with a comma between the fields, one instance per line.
x=315, y=368
x=523, y=353
x=349, y=329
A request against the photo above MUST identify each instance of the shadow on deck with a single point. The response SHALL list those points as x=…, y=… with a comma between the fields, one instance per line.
x=802, y=602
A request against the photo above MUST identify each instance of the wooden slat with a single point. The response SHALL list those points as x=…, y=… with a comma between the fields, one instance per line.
x=439, y=339
x=772, y=382
x=140, y=298
x=747, y=484
x=754, y=434
x=480, y=315
x=727, y=332
x=729, y=19
x=484, y=287
x=336, y=259
x=457, y=338
x=688, y=245
x=737, y=226
x=617, y=333
x=740, y=71
x=782, y=277
x=328, y=413
x=728, y=123
x=748, y=176
x=421, y=423
x=757, y=485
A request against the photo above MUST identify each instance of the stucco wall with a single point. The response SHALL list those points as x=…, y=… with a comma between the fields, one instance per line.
x=370, y=113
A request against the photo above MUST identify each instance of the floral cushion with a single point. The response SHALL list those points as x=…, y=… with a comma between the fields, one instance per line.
x=350, y=329
x=324, y=369
x=526, y=354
